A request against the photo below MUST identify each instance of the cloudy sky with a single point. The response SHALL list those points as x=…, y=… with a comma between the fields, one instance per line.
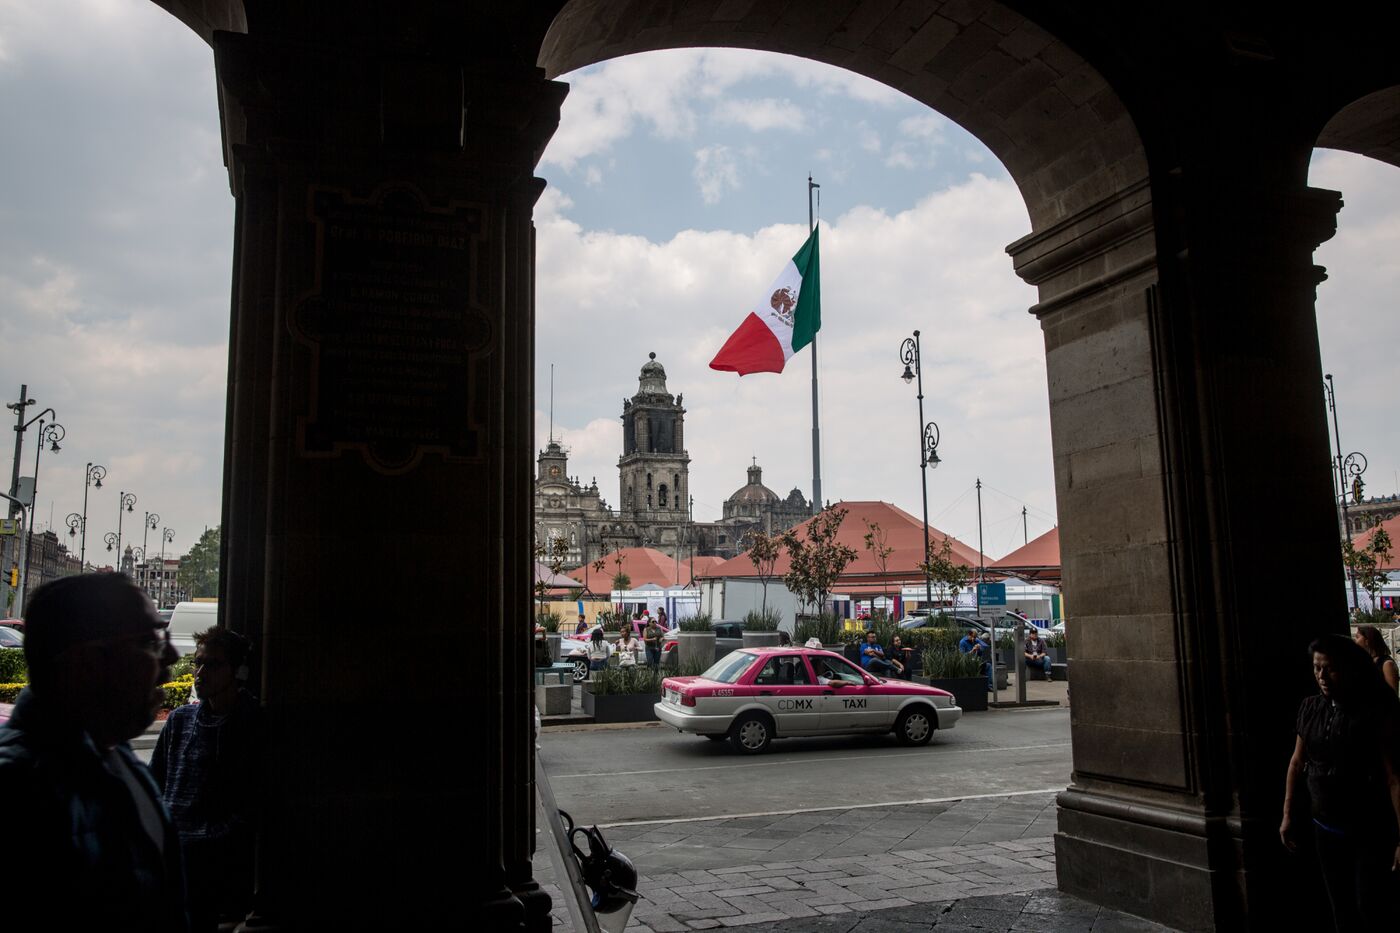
x=677, y=190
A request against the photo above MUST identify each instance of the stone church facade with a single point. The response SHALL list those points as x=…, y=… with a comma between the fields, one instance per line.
x=655, y=505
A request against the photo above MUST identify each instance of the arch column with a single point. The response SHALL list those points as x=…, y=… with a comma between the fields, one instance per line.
x=378, y=492
x=1191, y=464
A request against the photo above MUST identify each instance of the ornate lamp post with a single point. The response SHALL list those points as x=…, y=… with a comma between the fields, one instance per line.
x=138, y=558
x=74, y=521
x=1353, y=465
x=111, y=539
x=126, y=502
x=909, y=354
x=92, y=478
x=166, y=535
x=50, y=434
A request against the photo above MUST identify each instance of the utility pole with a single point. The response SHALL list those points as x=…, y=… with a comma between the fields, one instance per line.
x=816, y=429
x=1025, y=532
x=18, y=408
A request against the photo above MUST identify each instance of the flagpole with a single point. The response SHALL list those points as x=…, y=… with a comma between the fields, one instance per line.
x=816, y=428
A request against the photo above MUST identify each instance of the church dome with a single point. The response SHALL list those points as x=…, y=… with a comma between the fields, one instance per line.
x=653, y=377
x=754, y=491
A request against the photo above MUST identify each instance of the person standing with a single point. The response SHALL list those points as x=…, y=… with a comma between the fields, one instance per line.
x=1369, y=637
x=651, y=637
x=1347, y=752
x=208, y=762
x=98, y=848
x=628, y=647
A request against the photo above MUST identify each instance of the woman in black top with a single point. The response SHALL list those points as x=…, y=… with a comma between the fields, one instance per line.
x=1369, y=637
x=1348, y=748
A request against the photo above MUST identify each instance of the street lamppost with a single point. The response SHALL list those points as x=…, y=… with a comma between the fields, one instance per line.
x=909, y=354
x=166, y=535
x=126, y=502
x=1346, y=464
x=111, y=539
x=152, y=522
x=50, y=434
x=92, y=478
x=138, y=557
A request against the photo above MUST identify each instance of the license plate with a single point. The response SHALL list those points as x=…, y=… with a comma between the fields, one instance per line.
x=673, y=697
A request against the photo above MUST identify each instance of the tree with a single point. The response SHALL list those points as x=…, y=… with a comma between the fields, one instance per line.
x=947, y=574
x=877, y=543
x=199, y=569
x=1367, y=565
x=819, y=560
x=764, y=550
x=553, y=556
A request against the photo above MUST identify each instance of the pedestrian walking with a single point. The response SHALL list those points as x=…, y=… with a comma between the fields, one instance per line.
x=1369, y=637
x=628, y=647
x=652, y=636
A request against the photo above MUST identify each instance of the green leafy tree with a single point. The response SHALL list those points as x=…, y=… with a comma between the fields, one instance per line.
x=552, y=555
x=764, y=551
x=947, y=574
x=818, y=560
x=198, y=575
x=1367, y=565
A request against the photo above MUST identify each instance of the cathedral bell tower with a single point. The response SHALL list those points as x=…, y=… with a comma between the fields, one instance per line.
x=653, y=471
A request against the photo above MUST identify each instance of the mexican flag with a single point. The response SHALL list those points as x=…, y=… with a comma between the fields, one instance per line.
x=782, y=323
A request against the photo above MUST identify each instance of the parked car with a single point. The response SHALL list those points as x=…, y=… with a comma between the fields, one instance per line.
x=187, y=620
x=16, y=624
x=754, y=695
x=9, y=638
x=574, y=650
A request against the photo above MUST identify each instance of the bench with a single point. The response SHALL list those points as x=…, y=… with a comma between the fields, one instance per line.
x=557, y=673
x=1057, y=672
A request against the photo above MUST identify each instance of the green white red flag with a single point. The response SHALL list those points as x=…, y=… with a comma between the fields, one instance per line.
x=782, y=323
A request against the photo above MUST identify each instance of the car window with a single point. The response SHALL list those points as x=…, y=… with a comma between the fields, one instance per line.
x=730, y=668
x=829, y=668
x=783, y=670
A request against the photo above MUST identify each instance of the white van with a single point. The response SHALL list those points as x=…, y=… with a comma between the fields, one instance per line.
x=186, y=620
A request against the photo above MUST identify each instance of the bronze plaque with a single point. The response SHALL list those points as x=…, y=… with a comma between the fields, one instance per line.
x=396, y=335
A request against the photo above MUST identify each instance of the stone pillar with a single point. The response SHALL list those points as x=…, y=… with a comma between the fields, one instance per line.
x=1191, y=464
x=380, y=455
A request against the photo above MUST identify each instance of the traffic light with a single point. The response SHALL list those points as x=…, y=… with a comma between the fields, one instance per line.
x=14, y=575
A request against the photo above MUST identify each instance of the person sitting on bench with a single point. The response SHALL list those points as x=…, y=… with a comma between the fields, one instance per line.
x=1037, y=655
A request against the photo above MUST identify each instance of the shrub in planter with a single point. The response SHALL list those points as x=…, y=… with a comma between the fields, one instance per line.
x=762, y=621
x=824, y=628
x=177, y=692
x=960, y=674
x=624, y=694
x=693, y=668
x=696, y=623
x=549, y=621
x=12, y=667
x=1055, y=639
x=9, y=692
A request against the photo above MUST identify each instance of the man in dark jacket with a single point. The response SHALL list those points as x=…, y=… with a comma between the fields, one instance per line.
x=99, y=850
x=207, y=763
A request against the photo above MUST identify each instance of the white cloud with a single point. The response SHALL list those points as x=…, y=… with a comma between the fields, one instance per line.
x=899, y=158
x=868, y=138
x=762, y=114
x=663, y=91
x=606, y=300
x=923, y=126
x=715, y=171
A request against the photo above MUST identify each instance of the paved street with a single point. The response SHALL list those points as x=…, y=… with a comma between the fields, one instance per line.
x=848, y=834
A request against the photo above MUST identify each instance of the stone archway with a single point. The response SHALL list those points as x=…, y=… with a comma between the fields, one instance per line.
x=1174, y=355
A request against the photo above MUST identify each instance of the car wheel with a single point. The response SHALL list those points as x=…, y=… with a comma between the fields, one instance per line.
x=580, y=670
x=915, y=726
x=751, y=734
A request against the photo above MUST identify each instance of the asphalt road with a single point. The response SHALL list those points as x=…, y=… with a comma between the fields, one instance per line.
x=655, y=773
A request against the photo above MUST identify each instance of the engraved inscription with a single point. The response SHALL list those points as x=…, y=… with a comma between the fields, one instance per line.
x=393, y=328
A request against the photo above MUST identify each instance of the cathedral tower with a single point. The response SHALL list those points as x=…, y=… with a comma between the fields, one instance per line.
x=653, y=471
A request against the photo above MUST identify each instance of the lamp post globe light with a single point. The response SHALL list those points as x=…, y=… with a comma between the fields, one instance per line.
x=910, y=355
x=74, y=522
x=111, y=539
x=138, y=557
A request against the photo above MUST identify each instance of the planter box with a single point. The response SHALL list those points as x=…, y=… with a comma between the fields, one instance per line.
x=968, y=692
x=554, y=699
x=762, y=639
x=620, y=707
x=696, y=647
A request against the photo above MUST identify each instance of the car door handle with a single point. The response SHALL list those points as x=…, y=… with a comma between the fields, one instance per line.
x=829, y=692
x=765, y=693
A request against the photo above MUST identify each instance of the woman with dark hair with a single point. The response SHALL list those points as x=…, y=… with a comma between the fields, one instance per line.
x=1369, y=637
x=1348, y=750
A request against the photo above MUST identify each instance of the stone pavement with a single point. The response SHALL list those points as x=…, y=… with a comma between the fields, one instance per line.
x=971, y=864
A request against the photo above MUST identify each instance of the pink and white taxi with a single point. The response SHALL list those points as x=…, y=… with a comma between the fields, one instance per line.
x=754, y=695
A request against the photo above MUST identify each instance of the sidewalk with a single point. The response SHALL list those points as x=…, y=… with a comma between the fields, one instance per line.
x=956, y=865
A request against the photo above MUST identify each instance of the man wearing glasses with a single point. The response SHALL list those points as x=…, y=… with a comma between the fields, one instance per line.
x=97, y=839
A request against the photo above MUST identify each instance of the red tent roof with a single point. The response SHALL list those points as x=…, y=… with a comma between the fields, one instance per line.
x=1037, y=560
x=1392, y=528
x=642, y=565
x=904, y=534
